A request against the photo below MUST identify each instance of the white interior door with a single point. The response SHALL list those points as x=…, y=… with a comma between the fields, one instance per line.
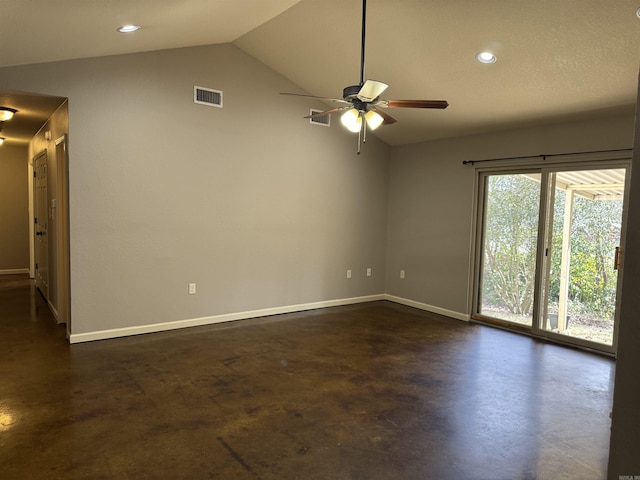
x=41, y=221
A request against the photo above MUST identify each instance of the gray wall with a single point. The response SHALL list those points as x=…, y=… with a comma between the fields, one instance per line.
x=14, y=209
x=251, y=202
x=625, y=424
x=431, y=202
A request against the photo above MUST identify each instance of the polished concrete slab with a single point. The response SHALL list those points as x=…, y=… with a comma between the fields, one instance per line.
x=371, y=391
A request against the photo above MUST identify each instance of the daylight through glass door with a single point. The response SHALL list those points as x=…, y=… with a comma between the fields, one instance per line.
x=549, y=252
x=509, y=250
x=583, y=239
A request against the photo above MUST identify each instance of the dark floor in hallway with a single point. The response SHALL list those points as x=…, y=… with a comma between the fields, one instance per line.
x=370, y=391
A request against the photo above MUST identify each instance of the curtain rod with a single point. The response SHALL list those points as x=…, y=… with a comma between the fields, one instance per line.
x=545, y=156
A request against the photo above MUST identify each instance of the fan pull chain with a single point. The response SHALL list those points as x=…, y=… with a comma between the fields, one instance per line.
x=364, y=128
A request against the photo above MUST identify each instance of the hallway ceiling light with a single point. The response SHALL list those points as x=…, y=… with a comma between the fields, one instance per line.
x=128, y=28
x=1, y=140
x=6, y=113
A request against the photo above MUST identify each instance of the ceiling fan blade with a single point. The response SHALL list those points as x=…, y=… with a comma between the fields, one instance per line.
x=371, y=90
x=414, y=104
x=388, y=119
x=340, y=100
x=328, y=112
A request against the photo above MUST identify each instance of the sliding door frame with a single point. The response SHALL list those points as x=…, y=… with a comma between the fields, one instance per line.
x=482, y=175
x=544, y=168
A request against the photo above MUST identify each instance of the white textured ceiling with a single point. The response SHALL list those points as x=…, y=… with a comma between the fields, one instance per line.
x=33, y=31
x=557, y=59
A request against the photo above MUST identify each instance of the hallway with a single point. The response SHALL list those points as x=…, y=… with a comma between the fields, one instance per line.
x=369, y=391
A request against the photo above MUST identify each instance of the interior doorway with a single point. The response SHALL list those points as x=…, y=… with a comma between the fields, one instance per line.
x=40, y=126
x=548, y=251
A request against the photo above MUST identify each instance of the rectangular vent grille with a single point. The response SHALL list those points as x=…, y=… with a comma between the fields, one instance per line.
x=325, y=121
x=207, y=96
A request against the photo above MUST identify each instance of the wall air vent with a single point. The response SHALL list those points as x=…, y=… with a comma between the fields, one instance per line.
x=207, y=96
x=325, y=121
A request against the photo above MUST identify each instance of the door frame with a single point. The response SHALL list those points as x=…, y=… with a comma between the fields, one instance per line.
x=577, y=162
x=538, y=328
x=478, y=239
x=62, y=232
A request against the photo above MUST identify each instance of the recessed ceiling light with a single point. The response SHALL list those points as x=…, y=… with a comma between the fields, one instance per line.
x=486, y=57
x=638, y=13
x=1, y=140
x=128, y=28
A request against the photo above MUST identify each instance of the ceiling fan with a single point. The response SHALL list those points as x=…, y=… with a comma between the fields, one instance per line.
x=361, y=103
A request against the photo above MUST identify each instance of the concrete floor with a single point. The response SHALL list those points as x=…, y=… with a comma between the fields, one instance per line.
x=371, y=391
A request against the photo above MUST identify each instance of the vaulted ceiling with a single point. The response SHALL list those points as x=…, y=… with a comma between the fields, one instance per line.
x=556, y=60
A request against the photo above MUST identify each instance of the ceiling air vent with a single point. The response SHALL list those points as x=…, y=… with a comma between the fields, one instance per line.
x=207, y=96
x=325, y=120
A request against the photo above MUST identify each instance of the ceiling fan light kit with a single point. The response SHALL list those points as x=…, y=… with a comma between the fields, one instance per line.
x=374, y=120
x=361, y=103
x=352, y=120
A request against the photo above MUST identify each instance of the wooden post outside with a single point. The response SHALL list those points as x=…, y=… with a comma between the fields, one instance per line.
x=565, y=265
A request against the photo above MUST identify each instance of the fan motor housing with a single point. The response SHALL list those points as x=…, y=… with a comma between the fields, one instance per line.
x=350, y=93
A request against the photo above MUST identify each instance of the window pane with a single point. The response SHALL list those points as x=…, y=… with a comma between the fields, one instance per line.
x=512, y=205
x=587, y=221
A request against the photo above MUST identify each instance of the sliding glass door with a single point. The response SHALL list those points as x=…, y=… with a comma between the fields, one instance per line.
x=548, y=252
x=584, y=237
x=509, y=247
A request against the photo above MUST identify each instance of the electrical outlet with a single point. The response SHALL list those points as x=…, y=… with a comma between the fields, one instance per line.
x=402, y=274
x=192, y=289
x=368, y=272
x=348, y=273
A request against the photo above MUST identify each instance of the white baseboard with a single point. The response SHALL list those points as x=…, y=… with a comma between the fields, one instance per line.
x=14, y=271
x=54, y=311
x=429, y=308
x=229, y=317
x=265, y=312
